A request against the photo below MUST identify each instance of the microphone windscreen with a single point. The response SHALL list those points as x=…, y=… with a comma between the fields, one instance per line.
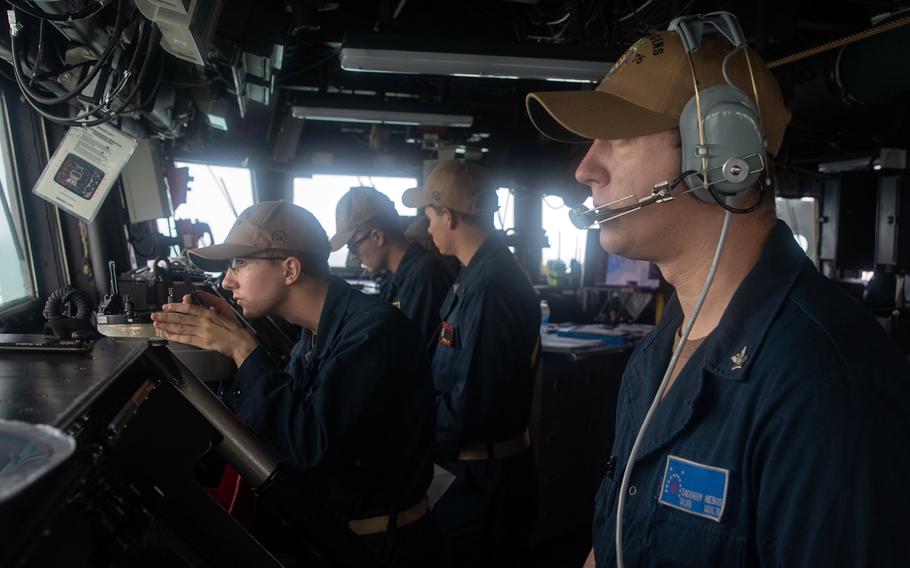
x=581, y=216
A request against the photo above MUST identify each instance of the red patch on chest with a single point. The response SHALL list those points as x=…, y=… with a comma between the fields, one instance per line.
x=447, y=334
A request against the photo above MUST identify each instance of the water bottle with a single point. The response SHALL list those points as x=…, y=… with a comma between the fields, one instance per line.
x=544, y=313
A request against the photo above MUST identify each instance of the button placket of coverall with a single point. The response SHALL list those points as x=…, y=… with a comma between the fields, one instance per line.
x=392, y=291
x=674, y=413
x=676, y=410
x=638, y=511
x=310, y=369
x=451, y=301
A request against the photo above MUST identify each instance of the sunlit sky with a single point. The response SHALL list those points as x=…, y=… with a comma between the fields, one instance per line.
x=205, y=201
x=566, y=242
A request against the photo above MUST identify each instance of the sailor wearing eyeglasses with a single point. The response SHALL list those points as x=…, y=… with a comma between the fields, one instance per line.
x=419, y=280
x=354, y=409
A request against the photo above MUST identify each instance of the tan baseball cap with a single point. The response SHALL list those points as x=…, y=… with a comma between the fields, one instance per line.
x=356, y=209
x=646, y=89
x=274, y=227
x=457, y=185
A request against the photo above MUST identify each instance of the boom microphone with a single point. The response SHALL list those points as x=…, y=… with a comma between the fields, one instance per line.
x=584, y=218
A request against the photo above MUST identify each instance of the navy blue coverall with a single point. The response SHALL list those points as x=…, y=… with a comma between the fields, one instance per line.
x=354, y=411
x=419, y=287
x=785, y=440
x=484, y=364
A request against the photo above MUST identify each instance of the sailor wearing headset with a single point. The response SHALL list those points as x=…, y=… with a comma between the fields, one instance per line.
x=768, y=413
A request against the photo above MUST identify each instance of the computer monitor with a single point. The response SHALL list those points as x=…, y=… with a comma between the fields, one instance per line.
x=631, y=273
x=604, y=269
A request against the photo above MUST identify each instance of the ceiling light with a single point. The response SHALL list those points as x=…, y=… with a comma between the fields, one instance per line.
x=374, y=116
x=852, y=164
x=472, y=59
x=558, y=80
x=885, y=158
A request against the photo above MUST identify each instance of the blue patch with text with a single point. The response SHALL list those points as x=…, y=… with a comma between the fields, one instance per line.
x=694, y=488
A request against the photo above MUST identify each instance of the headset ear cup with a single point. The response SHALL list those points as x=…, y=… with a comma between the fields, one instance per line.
x=689, y=142
x=734, y=141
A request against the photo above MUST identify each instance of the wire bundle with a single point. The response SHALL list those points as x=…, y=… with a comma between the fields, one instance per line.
x=146, y=38
x=82, y=14
x=68, y=303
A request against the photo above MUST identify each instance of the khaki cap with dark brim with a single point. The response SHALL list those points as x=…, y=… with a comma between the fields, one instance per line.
x=356, y=210
x=457, y=185
x=647, y=88
x=266, y=230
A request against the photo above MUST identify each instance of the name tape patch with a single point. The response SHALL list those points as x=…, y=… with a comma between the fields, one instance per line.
x=695, y=488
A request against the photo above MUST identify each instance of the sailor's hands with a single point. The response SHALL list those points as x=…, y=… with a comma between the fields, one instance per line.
x=210, y=326
x=209, y=300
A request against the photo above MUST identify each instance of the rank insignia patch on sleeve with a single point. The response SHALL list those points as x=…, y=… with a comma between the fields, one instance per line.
x=447, y=334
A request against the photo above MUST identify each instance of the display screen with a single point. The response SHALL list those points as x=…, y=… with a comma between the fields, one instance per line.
x=79, y=176
x=631, y=273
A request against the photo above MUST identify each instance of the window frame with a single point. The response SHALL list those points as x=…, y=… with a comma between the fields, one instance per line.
x=17, y=211
x=505, y=211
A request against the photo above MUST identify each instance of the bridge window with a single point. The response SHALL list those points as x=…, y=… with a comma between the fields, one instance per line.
x=16, y=275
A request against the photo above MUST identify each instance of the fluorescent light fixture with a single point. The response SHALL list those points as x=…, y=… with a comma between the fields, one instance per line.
x=472, y=65
x=853, y=164
x=371, y=116
x=583, y=81
x=480, y=76
x=886, y=158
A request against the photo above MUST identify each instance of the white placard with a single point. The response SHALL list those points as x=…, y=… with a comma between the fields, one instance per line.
x=83, y=169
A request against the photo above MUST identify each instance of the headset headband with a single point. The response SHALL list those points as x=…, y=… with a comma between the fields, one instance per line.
x=690, y=30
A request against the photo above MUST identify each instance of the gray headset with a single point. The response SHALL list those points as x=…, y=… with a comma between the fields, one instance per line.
x=720, y=127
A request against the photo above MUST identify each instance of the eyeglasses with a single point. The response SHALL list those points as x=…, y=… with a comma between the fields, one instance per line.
x=238, y=263
x=354, y=245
